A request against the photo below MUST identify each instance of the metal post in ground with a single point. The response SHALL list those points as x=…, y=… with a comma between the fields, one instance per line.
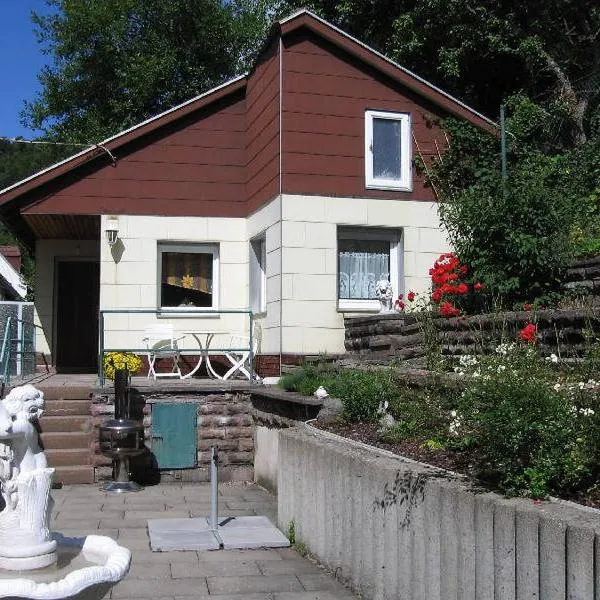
x=214, y=493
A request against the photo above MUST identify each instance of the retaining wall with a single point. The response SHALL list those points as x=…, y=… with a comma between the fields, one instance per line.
x=392, y=528
x=565, y=332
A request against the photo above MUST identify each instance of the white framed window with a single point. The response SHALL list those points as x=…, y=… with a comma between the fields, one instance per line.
x=365, y=255
x=388, y=150
x=188, y=276
x=258, y=274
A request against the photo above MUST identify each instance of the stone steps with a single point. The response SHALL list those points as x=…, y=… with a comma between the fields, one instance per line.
x=66, y=427
x=66, y=408
x=66, y=440
x=67, y=475
x=68, y=457
x=72, y=423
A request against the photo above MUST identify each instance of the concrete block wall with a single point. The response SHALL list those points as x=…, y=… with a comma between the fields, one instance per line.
x=391, y=528
x=312, y=322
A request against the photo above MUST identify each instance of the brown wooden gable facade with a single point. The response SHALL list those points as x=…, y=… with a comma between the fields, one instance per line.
x=294, y=125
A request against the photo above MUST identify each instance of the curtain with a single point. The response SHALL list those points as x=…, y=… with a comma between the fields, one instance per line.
x=361, y=265
x=191, y=270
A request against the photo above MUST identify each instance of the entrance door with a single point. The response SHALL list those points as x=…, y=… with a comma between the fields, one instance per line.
x=78, y=297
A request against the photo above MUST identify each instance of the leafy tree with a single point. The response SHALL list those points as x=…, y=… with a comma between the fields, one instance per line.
x=118, y=62
x=19, y=160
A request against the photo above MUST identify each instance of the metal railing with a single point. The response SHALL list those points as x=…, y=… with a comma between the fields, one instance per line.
x=16, y=348
x=189, y=313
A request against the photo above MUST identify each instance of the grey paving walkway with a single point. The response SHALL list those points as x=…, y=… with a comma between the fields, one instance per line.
x=266, y=574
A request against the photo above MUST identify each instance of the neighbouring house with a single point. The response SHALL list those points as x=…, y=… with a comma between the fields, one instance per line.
x=12, y=287
x=289, y=190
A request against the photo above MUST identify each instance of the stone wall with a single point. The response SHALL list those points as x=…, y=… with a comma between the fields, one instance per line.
x=242, y=420
x=223, y=420
x=584, y=274
x=379, y=337
x=392, y=528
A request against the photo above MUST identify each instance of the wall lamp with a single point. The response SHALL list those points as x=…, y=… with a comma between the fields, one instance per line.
x=112, y=231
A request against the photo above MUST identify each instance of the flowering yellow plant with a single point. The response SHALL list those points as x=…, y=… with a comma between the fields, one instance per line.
x=121, y=360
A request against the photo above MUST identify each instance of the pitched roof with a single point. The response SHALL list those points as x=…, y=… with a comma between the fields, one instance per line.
x=301, y=18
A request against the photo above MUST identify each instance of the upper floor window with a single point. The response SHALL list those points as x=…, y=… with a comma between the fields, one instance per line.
x=387, y=150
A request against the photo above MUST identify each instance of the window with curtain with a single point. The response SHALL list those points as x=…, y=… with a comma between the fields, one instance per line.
x=188, y=275
x=366, y=255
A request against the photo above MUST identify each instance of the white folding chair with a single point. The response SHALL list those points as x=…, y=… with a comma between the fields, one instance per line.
x=162, y=343
x=239, y=355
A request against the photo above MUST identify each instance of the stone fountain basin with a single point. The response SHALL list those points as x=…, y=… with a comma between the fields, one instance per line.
x=87, y=567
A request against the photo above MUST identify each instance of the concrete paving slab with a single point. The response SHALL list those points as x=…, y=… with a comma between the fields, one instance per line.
x=195, y=534
x=289, y=567
x=181, y=534
x=249, y=584
x=251, y=532
x=140, y=588
x=214, y=569
x=322, y=581
x=235, y=556
x=238, y=597
x=320, y=595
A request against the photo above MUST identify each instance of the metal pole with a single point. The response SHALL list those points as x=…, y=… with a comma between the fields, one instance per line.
x=503, y=150
x=214, y=475
x=214, y=490
x=20, y=341
x=101, y=348
x=251, y=365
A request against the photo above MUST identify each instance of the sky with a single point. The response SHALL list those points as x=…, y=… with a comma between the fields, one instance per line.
x=20, y=62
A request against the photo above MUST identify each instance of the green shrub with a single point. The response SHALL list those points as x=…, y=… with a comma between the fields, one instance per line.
x=361, y=392
x=308, y=377
x=533, y=436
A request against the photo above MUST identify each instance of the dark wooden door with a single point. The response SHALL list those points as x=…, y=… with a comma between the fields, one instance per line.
x=78, y=298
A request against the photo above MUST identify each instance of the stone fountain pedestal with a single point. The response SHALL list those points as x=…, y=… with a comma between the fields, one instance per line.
x=24, y=535
x=28, y=552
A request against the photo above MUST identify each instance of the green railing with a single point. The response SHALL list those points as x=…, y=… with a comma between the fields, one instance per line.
x=5, y=355
x=16, y=348
x=190, y=314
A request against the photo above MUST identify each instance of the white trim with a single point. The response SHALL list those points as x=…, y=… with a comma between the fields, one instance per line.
x=11, y=278
x=188, y=248
x=122, y=133
x=405, y=182
x=394, y=237
x=388, y=60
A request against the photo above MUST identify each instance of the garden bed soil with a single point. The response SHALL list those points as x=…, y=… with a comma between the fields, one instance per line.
x=459, y=462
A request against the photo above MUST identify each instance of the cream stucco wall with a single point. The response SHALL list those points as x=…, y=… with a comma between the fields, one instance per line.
x=311, y=320
x=302, y=315
x=267, y=221
x=47, y=252
x=129, y=277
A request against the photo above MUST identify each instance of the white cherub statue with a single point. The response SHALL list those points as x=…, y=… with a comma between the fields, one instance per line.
x=25, y=483
x=384, y=293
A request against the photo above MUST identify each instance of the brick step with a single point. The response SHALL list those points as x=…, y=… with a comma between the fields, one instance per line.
x=66, y=408
x=99, y=460
x=70, y=475
x=61, y=439
x=66, y=424
x=65, y=392
x=68, y=457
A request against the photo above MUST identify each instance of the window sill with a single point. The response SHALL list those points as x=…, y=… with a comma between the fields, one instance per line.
x=390, y=187
x=178, y=313
x=372, y=306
